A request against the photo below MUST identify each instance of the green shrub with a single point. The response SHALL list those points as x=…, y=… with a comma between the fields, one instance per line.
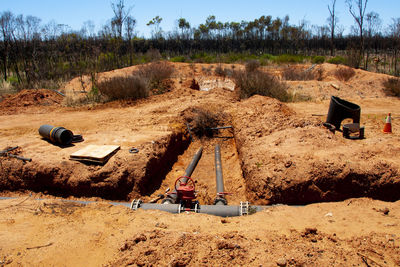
x=260, y=83
x=344, y=73
x=124, y=87
x=337, y=60
x=178, y=59
x=392, y=86
x=289, y=59
x=318, y=59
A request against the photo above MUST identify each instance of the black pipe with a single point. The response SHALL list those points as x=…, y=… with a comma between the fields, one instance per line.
x=340, y=109
x=220, y=199
x=57, y=135
x=189, y=170
x=171, y=198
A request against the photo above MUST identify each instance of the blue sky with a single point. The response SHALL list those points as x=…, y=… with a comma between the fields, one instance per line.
x=75, y=12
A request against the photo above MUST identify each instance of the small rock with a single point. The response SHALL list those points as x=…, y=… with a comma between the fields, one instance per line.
x=385, y=210
x=288, y=164
x=281, y=262
x=161, y=225
x=310, y=231
x=329, y=214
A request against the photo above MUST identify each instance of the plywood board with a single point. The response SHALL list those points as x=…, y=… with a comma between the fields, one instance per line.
x=95, y=153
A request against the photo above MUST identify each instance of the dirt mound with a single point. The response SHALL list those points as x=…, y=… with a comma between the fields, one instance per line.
x=354, y=232
x=125, y=176
x=29, y=98
x=290, y=159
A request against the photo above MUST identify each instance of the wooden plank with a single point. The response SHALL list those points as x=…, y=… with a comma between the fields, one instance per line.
x=95, y=153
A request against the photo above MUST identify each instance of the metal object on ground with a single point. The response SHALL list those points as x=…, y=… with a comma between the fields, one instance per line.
x=353, y=128
x=5, y=153
x=220, y=199
x=134, y=150
x=8, y=150
x=172, y=197
x=221, y=128
x=18, y=157
x=57, y=135
x=224, y=211
x=77, y=138
x=340, y=109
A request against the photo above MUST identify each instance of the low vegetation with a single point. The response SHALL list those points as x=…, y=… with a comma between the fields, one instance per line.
x=392, y=86
x=154, y=74
x=124, y=87
x=294, y=73
x=201, y=120
x=256, y=82
x=344, y=73
x=148, y=79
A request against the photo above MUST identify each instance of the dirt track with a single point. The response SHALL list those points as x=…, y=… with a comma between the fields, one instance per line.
x=281, y=153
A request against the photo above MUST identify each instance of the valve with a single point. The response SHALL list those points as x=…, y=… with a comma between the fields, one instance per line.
x=185, y=190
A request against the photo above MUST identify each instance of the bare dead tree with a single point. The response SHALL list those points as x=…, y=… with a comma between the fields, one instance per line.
x=129, y=33
x=394, y=31
x=7, y=28
x=121, y=12
x=358, y=13
x=332, y=21
x=373, y=25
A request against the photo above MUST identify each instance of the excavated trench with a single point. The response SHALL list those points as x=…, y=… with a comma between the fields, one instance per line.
x=159, y=163
x=204, y=174
x=123, y=177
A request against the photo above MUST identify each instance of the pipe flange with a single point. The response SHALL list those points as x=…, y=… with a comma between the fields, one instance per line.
x=220, y=199
x=244, y=208
x=135, y=204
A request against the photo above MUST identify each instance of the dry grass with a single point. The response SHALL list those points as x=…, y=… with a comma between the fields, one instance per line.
x=124, y=87
x=201, y=120
x=155, y=73
x=392, y=86
x=252, y=65
x=297, y=74
x=259, y=83
x=344, y=73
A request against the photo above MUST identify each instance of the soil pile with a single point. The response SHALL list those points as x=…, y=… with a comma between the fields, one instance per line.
x=290, y=159
x=12, y=104
x=354, y=232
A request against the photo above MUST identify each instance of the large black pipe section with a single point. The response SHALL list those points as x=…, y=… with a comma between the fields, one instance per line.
x=171, y=198
x=220, y=199
x=340, y=109
x=57, y=135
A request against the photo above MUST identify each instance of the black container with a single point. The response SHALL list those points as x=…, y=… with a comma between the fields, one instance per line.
x=340, y=109
x=57, y=135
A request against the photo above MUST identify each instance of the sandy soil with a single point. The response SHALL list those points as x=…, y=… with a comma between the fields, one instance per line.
x=280, y=153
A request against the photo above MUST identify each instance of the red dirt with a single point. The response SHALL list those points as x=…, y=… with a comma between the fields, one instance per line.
x=280, y=153
x=26, y=100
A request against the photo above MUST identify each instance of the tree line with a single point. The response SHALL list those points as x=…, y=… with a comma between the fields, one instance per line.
x=31, y=52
